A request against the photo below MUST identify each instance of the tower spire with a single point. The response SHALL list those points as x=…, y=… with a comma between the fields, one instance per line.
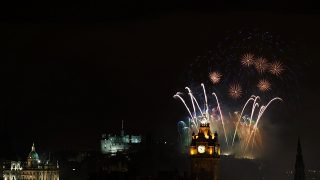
x=33, y=147
x=299, y=173
x=122, y=131
x=122, y=125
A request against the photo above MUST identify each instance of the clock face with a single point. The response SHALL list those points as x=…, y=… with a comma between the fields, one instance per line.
x=201, y=149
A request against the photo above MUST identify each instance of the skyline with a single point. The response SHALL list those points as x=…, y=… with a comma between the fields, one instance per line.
x=83, y=76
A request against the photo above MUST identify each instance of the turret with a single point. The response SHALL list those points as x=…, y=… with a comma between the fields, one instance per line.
x=299, y=173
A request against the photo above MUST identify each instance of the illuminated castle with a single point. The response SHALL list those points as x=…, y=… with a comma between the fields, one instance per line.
x=205, y=154
x=32, y=169
x=111, y=144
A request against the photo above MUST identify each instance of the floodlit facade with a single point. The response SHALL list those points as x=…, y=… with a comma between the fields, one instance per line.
x=111, y=144
x=33, y=169
x=204, y=154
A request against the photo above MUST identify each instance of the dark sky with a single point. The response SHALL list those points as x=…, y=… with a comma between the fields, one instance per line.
x=72, y=71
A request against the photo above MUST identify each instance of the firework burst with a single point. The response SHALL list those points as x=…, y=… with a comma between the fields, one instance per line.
x=264, y=85
x=261, y=65
x=242, y=127
x=215, y=77
x=235, y=91
x=276, y=68
x=247, y=59
x=250, y=62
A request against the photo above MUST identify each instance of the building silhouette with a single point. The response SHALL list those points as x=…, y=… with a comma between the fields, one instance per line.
x=299, y=171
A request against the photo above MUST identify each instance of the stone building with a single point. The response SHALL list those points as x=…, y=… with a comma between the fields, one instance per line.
x=112, y=144
x=205, y=154
x=32, y=169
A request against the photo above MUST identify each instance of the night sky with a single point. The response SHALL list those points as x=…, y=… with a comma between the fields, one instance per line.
x=70, y=72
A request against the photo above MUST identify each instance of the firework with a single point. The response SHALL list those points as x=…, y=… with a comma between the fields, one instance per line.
x=264, y=85
x=261, y=64
x=215, y=77
x=247, y=59
x=247, y=137
x=238, y=75
x=276, y=68
x=235, y=91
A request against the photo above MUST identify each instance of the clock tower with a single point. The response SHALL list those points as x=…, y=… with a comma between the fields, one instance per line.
x=205, y=154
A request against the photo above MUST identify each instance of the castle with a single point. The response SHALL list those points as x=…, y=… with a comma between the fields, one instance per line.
x=112, y=144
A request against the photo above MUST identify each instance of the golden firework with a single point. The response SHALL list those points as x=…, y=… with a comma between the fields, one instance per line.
x=235, y=91
x=276, y=68
x=247, y=59
x=261, y=64
x=264, y=85
x=215, y=77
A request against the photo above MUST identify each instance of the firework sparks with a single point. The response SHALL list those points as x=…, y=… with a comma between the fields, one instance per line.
x=247, y=59
x=247, y=139
x=261, y=65
x=235, y=91
x=264, y=85
x=276, y=68
x=215, y=77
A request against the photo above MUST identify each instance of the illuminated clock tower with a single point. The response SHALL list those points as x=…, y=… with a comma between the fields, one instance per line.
x=205, y=154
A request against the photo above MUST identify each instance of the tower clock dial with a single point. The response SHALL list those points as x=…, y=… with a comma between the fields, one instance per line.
x=201, y=149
